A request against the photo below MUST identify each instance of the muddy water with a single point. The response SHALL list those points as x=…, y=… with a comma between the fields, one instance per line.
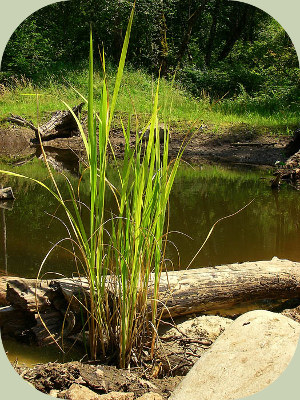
x=269, y=226
x=30, y=355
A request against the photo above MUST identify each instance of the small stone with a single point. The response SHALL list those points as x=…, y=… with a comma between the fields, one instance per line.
x=79, y=392
x=116, y=396
x=150, y=396
x=54, y=393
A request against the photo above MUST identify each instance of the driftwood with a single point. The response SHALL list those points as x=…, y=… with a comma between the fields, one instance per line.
x=214, y=290
x=221, y=288
x=6, y=194
x=27, y=295
x=290, y=172
x=61, y=124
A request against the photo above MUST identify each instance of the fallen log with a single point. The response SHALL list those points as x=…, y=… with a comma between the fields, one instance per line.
x=27, y=294
x=61, y=124
x=6, y=194
x=213, y=290
x=221, y=288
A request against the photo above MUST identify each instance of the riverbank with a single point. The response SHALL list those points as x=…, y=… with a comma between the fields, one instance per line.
x=77, y=380
x=233, y=144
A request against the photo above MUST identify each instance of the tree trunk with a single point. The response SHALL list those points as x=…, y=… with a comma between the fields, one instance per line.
x=236, y=30
x=187, y=35
x=220, y=288
x=212, y=33
x=61, y=124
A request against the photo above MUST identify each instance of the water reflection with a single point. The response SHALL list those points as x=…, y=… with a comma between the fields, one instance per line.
x=268, y=227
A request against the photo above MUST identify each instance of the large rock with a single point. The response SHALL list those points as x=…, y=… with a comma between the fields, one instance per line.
x=252, y=352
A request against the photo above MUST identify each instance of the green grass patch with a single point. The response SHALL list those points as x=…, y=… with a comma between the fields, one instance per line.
x=136, y=96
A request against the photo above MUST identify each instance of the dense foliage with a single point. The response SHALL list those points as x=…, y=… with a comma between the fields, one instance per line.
x=219, y=48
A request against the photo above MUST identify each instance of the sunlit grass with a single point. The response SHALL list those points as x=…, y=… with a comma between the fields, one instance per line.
x=136, y=96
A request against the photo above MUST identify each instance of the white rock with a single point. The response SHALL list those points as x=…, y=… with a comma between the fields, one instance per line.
x=79, y=392
x=249, y=355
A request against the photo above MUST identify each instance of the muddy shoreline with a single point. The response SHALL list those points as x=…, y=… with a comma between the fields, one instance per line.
x=62, y=380
x=205, y=146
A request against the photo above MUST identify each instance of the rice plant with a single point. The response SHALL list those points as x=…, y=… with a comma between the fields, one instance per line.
x=122, y=256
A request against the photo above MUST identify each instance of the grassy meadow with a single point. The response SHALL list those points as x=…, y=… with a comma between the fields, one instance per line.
x=136, y=98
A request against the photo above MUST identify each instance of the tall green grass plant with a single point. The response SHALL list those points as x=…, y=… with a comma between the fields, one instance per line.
x=122, y=256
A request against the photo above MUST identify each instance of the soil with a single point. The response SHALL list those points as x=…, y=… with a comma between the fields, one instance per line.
x=100, y=379
x=180, y=348
x=235, y=145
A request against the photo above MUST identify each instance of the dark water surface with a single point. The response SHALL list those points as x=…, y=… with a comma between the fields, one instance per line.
x=269, y=226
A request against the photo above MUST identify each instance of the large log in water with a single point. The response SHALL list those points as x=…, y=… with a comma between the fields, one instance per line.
x=204, y=290
x=182, y=292
x=223, y=287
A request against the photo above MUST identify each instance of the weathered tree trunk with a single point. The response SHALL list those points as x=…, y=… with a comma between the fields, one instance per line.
x=204, y=290
x=61, y=124
x=214, y=289
x=221, y=288
x=6, y=194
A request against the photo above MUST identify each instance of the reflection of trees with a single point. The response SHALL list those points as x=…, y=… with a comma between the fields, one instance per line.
x=199, y=198
x=261, y=231
x=4, y=205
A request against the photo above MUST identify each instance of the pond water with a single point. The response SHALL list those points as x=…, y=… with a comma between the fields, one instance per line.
x=269, y=226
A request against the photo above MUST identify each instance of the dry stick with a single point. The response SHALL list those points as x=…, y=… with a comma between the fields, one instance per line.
x=212, y=228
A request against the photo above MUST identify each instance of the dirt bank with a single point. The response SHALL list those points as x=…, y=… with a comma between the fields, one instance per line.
x=181, y=342
x=242, y=145
x=55, y=378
